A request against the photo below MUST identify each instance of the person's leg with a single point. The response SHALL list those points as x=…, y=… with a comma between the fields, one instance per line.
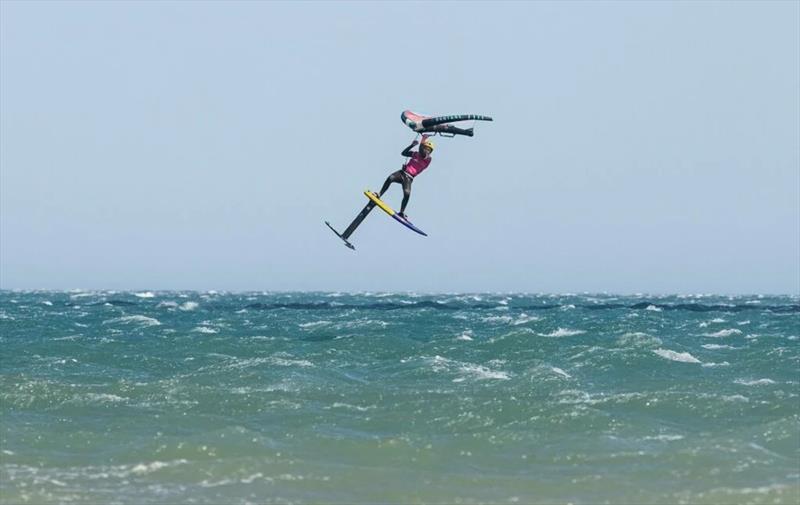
x=407, y=180
x=393, y=177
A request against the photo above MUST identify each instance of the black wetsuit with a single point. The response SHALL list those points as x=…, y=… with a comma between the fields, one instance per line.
x=403, y=178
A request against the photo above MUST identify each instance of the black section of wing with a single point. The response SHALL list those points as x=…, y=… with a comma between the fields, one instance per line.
x=433, y=121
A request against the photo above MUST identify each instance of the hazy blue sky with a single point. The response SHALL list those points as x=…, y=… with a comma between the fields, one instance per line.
x=636, y=147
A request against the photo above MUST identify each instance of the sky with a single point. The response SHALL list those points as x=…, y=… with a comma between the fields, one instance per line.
x=636, y=147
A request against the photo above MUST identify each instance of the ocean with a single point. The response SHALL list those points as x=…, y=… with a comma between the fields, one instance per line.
x=211, y=397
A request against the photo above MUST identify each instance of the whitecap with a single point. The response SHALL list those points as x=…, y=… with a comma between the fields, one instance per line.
x=205, y=329
x=61, y=361
x=683, y=357
x=524, y=318
x=466, y=336
x=735, y=398
x=562, y=332
x=560, y=372
x=251, y=478
x=654, y=308
x=143, y=468
x=187, y=306
x=576, y=396
x=314, y=324
x=104, y=398
x=438, y=363
x=479, y=372
x=664, y=438
x=290, y=362
x=712, y=347
x=144, y=320
x=145, y=294
x=723, y=333
x=281, y=359
x=638, y=339
x=361, y=323
x=68, y=337
x=339, y=405
x=759, y=382
x=224, y=482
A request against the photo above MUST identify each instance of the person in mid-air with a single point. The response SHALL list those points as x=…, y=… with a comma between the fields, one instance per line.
x=418, y=162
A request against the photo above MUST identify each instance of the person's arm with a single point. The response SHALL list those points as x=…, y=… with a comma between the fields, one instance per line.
x=407, y=151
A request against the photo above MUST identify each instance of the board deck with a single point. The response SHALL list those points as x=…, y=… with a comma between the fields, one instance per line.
x=373, y=197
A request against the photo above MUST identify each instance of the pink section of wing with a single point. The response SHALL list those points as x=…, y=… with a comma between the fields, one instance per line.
x=412, y=119
x=413, y=116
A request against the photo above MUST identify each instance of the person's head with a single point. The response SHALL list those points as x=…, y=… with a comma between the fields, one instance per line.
x=426, y=147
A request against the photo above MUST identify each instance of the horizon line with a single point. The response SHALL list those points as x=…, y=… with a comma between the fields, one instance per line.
x=398, y=292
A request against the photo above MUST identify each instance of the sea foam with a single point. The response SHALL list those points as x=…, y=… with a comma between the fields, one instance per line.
x=683, y=357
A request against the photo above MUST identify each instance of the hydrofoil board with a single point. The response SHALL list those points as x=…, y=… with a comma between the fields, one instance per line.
x=380, y=203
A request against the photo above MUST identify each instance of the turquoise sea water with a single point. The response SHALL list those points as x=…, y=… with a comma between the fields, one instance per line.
x=112, y=397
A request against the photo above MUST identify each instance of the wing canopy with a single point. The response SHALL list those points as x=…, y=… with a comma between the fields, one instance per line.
x=440, y=124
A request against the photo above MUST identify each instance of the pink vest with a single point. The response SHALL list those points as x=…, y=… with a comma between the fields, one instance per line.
x=417, y=164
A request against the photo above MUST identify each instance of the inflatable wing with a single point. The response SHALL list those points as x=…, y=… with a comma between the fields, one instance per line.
x=440, y=124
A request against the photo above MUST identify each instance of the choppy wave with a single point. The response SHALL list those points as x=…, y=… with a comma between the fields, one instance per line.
x=683, y=357
x=724, y=333
x=461, y=303
x=754, y=382
x=435, y=305
x=134, y=319
x=563, y=332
